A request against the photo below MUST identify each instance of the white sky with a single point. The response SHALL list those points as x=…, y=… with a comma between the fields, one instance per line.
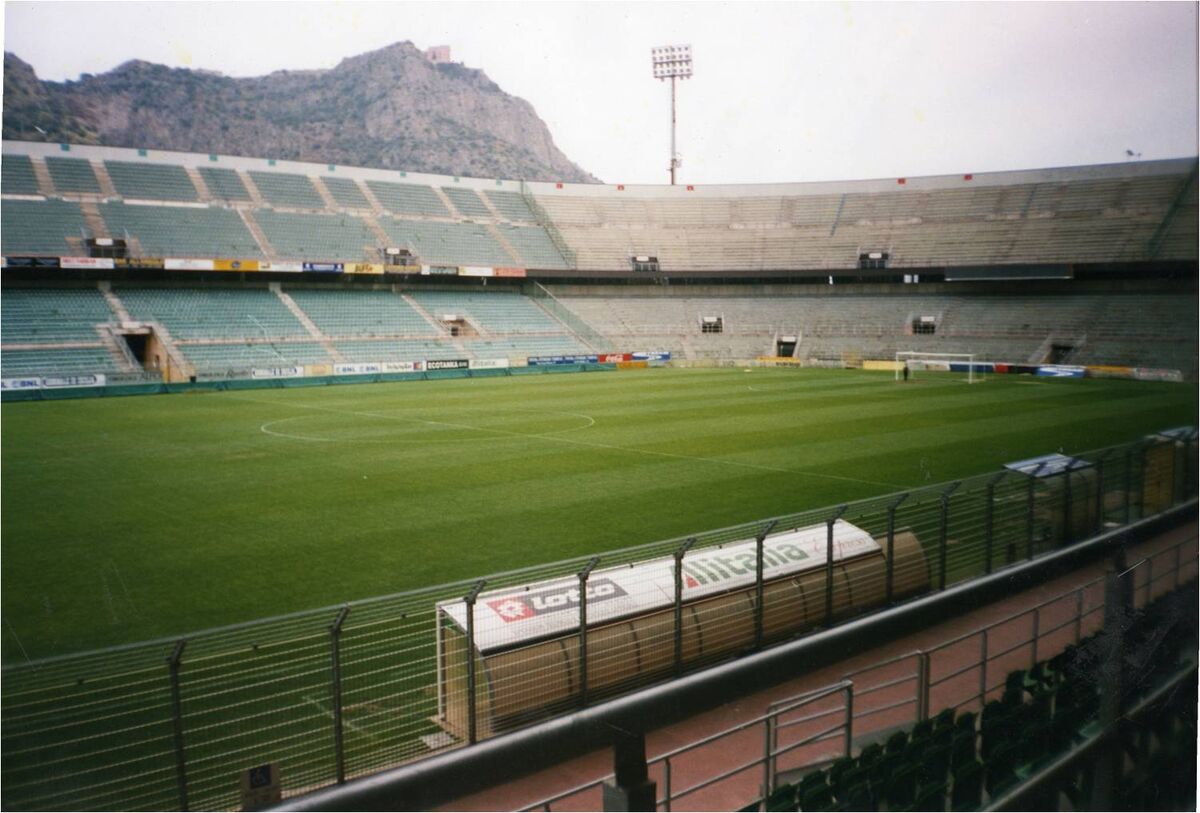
x=782, y=91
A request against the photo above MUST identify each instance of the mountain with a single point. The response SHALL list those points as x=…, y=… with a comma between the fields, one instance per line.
x=390, y=109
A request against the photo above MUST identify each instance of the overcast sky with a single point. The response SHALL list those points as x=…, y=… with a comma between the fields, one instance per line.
x=781, y=92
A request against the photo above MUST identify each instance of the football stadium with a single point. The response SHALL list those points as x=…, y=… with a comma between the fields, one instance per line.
x=334, y=487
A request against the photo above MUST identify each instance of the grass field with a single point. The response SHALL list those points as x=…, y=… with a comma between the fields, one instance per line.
x=132, y=518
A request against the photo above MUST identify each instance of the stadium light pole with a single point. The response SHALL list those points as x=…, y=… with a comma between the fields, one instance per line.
x=672, y=62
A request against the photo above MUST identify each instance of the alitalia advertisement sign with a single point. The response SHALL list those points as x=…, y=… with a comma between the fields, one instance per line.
x=516, y=615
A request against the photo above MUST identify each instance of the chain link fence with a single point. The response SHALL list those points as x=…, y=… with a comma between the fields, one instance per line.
x=337, y=693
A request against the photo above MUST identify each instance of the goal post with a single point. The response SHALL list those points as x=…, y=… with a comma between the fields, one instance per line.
x=915, y=361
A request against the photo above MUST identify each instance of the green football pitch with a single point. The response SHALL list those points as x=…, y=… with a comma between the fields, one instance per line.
x=133, y=518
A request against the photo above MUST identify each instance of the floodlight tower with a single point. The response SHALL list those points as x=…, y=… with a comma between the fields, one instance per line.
x=672, y=62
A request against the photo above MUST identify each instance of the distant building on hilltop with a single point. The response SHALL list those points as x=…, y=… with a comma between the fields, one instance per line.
x=438, y=53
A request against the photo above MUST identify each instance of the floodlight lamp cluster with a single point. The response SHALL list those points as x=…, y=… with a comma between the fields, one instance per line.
x=672, y=60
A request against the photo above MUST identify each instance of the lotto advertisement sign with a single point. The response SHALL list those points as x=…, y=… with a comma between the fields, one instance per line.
x=519, y=615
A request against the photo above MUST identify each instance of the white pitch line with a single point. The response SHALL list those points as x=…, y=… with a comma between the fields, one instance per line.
x=329, y=713
x=585, y=443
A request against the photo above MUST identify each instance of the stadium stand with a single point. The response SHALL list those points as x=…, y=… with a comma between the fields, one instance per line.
x=224, y=184
x=498, y=312
x=361, y=313
x=394, y=350
x=316, y=236
x=151, y=181
x=16, y=175
x=51, y=315
x=408, y=199
x=467, y=202
x=220, y=358
x=72, y=175
x=213, y=313
x=173, y=231
x=346, y=192
x=39, y=227
x=533, y=245
x=511, y=206
x=436, y=242
x=287, y=190
x=58, y=361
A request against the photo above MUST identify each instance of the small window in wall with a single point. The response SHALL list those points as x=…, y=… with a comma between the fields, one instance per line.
x=643, y=262
x=712, y=324
x=873, y=259
x=924, y=325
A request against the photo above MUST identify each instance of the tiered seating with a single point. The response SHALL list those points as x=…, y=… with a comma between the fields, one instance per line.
x=213, y=313
x=361, y=313
x=39, y=227
x=58, y=361
x=493, y=312
x=346, y=192
x=408, y=199
x=151, y=181
x=223, y=357
x=72, y=175
x=447, y=243
x=511, y=205
x=467, y=202
x=224, y=184
x=287, y=190
x=533, y=245
x=393, y=350
x=521, y=346
x=16, y=175
x=174, y=231
x=52, y=315
x=316, y=236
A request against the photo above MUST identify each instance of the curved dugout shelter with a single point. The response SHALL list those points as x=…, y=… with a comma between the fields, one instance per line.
x=527, y=639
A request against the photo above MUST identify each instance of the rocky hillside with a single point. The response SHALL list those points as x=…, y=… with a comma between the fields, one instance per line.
x=390, y=108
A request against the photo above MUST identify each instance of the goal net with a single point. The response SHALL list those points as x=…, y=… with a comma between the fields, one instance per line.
x=917, y=362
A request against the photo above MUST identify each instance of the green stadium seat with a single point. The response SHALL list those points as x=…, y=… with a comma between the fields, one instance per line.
x=144, y=181
x=287, y=190
x=72, y=175
x=467, y=202
x=408, y=199
x=16, y=175
x=224, y=184
x=346, y=192
x=40, y=227
x=967, y=790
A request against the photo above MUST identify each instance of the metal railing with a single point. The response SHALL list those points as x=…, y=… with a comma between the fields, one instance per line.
x=347, y=691
x=1179, y=564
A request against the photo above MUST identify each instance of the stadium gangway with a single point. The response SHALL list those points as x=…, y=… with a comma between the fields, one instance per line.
x=443, y=777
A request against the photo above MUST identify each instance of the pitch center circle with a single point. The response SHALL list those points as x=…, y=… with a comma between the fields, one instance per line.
x=424, y=426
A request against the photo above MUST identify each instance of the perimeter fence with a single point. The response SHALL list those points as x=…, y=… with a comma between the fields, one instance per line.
x=342, y=692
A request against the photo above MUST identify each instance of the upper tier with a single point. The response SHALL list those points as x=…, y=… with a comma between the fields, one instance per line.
x=1130, y=212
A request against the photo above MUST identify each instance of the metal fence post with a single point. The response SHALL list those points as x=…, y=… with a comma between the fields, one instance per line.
x=1037, y=632
x=1029, y=511
x=829, y=523
x=583, y=665
x=922, y=686
x=173, y=665
x=891, y=545
x=758, y=583
x=1128, y=483
x=472, y=712
x=1117, y=606
x=983, y=662
x=989, y=534
x=1099, y=525
x=1067, y=535
x=943, y=528
x=1178, y=563
x=335, y=635
x=679, y=553
x=768, y=757
x=849, y=739
x=1078, y=615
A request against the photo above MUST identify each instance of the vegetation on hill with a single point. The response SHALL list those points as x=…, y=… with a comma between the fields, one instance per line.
x=390, y=108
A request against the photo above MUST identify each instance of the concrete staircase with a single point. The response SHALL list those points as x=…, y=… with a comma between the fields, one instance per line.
x=309, y=325
x=512, y=251
x=255, y=194
x=45, y=183
x=257, y=232
x=330, y=203
x=198, y=181
x=449, y=204
x=104, y=179
x=91, y=217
